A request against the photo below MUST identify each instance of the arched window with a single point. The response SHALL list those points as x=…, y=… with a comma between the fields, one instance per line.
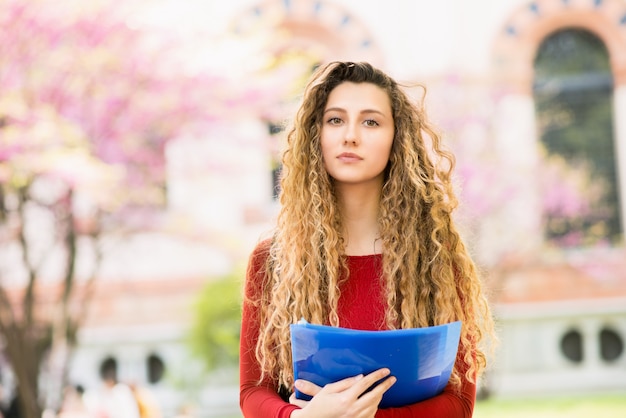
x=611, y=344
x=275, y=129
x=108, y=369
x=573, y=92
x=156, y=368
x=572, y=346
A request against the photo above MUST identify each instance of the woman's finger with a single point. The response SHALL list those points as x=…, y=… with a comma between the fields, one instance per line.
x=344, y=384
x=311, y=389
x=381, y=388
x=366, y=382
x=298, y=402
x=306, y=387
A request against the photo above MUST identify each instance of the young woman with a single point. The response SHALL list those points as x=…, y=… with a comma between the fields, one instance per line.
x=364, y=240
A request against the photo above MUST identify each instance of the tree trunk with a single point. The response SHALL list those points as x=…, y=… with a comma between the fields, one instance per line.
x=22, y=346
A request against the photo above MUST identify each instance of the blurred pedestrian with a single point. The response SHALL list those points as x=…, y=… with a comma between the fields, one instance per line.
x=14, y=408
x=73, y=405
x=112, y=399
x=3, y=402
x=146, y=402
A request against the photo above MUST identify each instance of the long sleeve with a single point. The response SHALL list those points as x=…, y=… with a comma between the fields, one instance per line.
x=362, y=307
x=256, y=400
x=448, y=404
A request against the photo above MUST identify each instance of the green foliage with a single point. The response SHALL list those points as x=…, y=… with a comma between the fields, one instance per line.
x=601, y=405
x=214, y=336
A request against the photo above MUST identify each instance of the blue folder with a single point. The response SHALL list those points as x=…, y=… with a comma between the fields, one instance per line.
x=421, y=359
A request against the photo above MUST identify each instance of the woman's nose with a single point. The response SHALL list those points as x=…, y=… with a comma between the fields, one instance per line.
x=351, y=135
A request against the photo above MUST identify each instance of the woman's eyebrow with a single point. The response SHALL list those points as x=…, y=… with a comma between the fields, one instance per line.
x=334, y=109
x=339, y=109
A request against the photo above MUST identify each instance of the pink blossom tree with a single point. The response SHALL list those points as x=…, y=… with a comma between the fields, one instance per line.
x=566, y=192
x=87, y=105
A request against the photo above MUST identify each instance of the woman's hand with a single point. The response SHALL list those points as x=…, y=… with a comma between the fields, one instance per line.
x=343, y=398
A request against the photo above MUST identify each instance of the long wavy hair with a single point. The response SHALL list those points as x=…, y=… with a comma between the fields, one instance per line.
x=429, y=278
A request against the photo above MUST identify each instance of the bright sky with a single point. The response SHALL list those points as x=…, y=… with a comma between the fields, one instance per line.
x=185, y=17
x=201, y=24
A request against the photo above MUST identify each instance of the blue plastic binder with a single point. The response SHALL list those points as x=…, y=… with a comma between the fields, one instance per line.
x=421, y=359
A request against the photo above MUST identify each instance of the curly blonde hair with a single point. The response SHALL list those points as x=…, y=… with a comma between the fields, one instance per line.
x=429, y=278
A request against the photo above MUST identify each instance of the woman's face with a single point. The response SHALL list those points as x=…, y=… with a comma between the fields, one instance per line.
x=357, y=133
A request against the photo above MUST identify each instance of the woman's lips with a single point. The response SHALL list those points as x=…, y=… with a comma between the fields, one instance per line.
x=348, y=157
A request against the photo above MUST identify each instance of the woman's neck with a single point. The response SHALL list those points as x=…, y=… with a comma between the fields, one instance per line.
x=359, y=208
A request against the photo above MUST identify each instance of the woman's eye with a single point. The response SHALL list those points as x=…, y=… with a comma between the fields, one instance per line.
x=370, y=122
x=334, y=121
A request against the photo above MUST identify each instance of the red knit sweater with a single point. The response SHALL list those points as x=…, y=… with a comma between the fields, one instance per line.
x=360, y=307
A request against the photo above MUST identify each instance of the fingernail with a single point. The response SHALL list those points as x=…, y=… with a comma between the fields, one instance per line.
x=358, y=377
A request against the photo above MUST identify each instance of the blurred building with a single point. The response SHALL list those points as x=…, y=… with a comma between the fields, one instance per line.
x=516, y=86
